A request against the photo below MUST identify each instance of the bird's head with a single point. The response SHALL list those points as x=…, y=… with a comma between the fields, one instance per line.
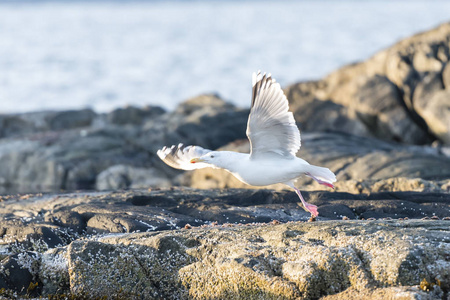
x=213, y=158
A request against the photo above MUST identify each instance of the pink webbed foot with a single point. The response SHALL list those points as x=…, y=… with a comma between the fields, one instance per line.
x=311, y=208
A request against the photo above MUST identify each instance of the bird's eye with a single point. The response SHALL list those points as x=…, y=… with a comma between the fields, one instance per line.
x=212, y=156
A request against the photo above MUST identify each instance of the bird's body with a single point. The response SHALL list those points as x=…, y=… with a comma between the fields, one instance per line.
x=261, y=172
x=274, y=139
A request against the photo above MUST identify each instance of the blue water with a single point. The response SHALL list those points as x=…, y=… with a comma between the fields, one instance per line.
x=111, y=54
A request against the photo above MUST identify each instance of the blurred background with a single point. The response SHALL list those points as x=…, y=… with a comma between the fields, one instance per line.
x=57, y=55
x=90, y=90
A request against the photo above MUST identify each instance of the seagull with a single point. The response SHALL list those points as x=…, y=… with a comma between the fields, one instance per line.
x=274, y=142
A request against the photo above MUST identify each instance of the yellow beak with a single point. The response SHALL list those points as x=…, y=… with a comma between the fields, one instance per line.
x=196, y=160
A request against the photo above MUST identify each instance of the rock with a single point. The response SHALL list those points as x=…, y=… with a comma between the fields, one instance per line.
x=382, y=93
x=15, y=272
x=436, y=112
x=133, y=115
x=446, y=76
x=314, y=114
x=54, y=271
x=63, y=152
x=19, y=125
x=124, y=243
x=297, y=260
x=70, y=161
x=14, y=125
x=378, y=103
x=424, y=61
x=40, y=222
x=122, y=176
x=32, y=235
x=67, y=219
x=396, y=184
x=425, y=89
x=71, y=119
x=402, y=292
x=148, y=271
x=208, y=121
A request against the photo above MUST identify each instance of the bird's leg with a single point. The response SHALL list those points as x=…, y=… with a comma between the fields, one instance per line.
x=308, y=206
x=320, y=181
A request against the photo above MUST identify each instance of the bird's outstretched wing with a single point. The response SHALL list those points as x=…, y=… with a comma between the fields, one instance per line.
x=271, y=127
x=179, y=157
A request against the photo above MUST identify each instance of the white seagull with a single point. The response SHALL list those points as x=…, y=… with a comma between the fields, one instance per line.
x=274, y=141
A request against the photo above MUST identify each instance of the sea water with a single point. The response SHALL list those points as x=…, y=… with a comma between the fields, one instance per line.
x=104, y=55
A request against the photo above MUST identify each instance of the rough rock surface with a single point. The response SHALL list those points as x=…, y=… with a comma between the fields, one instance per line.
x=63, y=243
x=233, y=258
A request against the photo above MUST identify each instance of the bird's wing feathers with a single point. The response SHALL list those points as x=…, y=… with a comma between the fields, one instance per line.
x=179, y=157
x=271, y=127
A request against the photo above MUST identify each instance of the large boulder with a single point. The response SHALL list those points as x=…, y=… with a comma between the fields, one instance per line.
x=390, y=95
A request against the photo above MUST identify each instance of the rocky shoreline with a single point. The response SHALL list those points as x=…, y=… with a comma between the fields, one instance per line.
x=89, y=210
x=230, y=244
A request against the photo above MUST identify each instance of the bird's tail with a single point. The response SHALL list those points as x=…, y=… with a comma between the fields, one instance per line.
x=321, y=175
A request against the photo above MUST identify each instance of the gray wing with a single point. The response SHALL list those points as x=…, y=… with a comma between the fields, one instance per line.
x=271, y=127
x=179, y=157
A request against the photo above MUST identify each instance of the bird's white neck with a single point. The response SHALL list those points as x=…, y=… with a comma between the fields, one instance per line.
x=230, y=160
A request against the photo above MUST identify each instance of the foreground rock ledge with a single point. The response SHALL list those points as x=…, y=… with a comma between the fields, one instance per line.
x=304, y=260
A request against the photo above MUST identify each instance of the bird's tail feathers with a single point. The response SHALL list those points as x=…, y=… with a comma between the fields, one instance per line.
x=321, y=175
